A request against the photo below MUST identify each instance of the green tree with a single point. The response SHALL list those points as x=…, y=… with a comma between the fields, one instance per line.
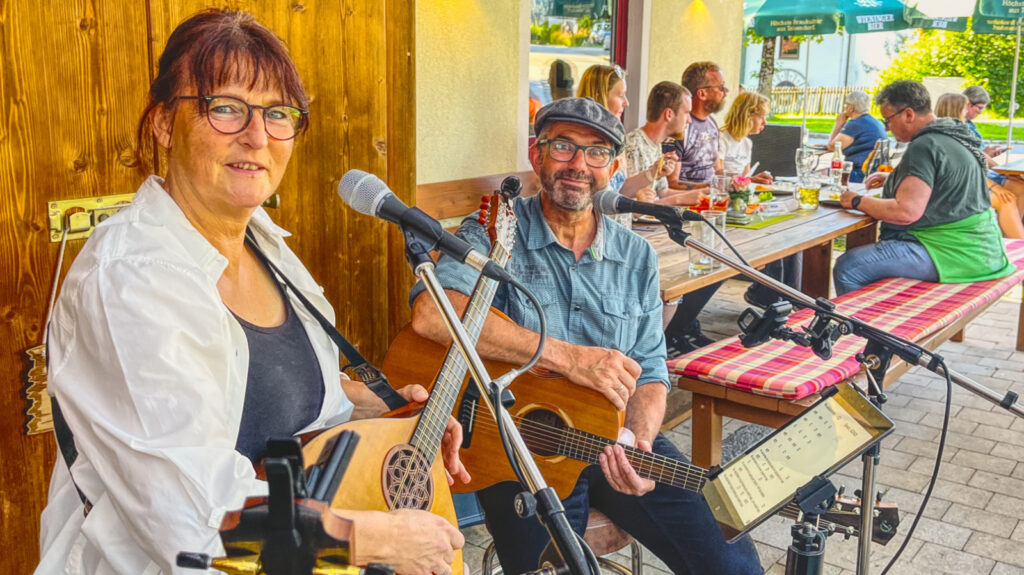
x=981, y=59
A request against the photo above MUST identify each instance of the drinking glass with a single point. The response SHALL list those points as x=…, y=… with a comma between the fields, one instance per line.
x=806, y=161
x=847, y=168
x=700, y=263
x=808, y=191
x=720, y=192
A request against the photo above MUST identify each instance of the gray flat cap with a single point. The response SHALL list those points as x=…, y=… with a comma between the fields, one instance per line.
x=583, y=111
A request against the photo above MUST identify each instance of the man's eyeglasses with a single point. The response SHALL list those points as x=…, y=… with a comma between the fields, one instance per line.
x=564, y=151
x=886, y=119
x=719, y=87
x=229, y=115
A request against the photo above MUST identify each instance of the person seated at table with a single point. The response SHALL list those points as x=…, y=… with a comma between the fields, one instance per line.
x=668, y=114
x=606, y=85
x=1004, y=201
x=746, y=116
x=857, y=130
x=174, y=351
x=600, y=288
x=936, y=219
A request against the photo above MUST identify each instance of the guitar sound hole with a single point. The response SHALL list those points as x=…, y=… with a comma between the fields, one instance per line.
x=542, y=432
x=406, y=479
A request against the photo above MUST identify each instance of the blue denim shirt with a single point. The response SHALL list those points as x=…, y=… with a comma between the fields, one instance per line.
x=609, y=298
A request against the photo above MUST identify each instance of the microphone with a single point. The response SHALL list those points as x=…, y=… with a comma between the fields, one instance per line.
x=608, y=202
x=368, y=194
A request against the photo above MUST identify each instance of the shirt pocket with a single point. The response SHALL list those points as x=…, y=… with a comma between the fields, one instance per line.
x=621, y=318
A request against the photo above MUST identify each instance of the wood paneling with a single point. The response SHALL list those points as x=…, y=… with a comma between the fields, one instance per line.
x=73, y=79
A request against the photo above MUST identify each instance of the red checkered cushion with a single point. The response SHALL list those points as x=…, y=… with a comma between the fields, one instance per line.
x=908, y=308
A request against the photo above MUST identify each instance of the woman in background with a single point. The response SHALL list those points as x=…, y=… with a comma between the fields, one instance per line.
x=857, y=130
x=747, y=115
x=1004, y=202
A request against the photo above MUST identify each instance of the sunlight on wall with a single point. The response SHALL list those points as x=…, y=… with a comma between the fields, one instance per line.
x=467, y=79
x=687, y=31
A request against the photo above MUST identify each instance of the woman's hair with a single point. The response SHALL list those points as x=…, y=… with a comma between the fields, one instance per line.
x=597, y=82
x=977, y=95
x=740, y=119
x=860, y=101
x=211, y=49
x=950, y=105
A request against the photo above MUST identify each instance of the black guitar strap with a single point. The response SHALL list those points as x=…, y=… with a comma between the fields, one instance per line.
x=371, y=376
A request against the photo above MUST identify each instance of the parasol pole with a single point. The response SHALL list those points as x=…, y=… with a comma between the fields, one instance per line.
x=1013, y=92
x=807, y=88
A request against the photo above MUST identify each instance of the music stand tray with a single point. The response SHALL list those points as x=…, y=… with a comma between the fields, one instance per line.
x=753, y=486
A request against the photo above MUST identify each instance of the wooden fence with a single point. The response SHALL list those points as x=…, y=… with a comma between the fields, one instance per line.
x=821, y=100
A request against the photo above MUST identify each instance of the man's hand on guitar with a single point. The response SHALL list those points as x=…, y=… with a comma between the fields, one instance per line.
x=607, y=371
x=451, y=441
x=620, y=474
x=413, y=542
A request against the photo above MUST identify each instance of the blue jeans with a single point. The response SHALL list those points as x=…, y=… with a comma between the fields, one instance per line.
x=886, y=259
x=676, y=525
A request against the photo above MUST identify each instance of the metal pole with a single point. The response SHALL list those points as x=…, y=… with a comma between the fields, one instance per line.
x=807, y=87
x=1013, y=93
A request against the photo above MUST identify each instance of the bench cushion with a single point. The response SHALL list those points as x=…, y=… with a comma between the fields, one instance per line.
x=908, y=308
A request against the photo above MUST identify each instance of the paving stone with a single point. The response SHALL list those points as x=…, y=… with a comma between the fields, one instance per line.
x=1018, y=424
x=986, y=417
x=934, y=531
x=926, y=448
x=917, y=431
x=997, y=548
x=980, y=520
x=984, y=462
x=895, y=459
x=908, y=414
x=958, y=493
x=955, y=423
x=1018, y=532
x=1008, y=451
x=1007, y=505
x=769, y=555
x=909, y=480
x=972, y=442
x=949, y=471
x=1004, y=569
x=997, y=483
x=1018, y=472
x=946, y=560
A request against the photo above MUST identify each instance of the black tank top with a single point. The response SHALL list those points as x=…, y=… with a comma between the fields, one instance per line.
x=284, y=391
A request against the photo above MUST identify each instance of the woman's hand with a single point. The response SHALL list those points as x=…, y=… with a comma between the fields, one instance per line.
x=450, y=443
x=764, y=178
x=413, y=542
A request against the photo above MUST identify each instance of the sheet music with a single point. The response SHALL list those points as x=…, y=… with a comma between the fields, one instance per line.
x=771, y=473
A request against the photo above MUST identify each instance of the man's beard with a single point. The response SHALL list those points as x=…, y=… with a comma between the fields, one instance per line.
x=566, y=196
x=713, y=107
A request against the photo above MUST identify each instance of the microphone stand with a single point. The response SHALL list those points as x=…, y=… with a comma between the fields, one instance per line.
x=825, y=328
x=540, y=497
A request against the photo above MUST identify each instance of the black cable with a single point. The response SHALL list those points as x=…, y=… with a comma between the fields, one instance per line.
x=541, y=319
x=721, y=234
x=935, y=471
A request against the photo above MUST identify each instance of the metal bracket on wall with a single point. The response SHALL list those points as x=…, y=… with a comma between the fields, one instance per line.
x=80, y=216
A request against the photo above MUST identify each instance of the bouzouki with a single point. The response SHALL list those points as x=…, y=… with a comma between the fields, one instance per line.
x=396, y=465
x=565, y=427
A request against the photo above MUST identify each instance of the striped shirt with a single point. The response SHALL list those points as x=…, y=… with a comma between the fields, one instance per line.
x=609, y=298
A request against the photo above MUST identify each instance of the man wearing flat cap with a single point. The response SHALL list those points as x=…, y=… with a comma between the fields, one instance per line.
x=598, y=283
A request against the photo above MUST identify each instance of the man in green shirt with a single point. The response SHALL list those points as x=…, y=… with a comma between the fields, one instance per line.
x=937, y=219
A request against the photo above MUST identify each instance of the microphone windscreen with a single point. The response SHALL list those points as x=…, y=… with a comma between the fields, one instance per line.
x=605, y=200
x=362, y=191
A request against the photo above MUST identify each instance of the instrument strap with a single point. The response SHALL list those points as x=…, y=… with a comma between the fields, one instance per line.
x=371, y=376
x=66, y=443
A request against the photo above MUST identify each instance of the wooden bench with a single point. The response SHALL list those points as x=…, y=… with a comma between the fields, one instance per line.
x=453, y=200
x=774, y=382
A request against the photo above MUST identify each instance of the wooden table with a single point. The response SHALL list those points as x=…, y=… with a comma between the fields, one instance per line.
x=1014, y=168
x=810, y=233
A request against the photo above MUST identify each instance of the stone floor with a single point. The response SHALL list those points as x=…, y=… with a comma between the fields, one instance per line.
x=974, y=522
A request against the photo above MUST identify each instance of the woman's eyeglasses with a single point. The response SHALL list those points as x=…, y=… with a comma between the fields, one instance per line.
x=229, y=115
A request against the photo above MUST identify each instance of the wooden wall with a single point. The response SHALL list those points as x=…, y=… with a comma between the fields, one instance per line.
x=73, y=79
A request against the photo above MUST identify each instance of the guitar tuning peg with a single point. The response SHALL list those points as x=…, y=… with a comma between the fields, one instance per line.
x=841, y=491
x=878, y=495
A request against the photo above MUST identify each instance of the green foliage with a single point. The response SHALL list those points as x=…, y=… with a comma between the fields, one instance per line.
x=981, y=59
x=585, y=23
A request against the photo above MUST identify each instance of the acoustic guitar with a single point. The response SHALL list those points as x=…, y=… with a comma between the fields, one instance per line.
x=566, y=427
x=396, y=464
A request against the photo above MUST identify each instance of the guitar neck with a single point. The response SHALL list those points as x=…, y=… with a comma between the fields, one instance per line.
x=586, y=447
x=445, y=391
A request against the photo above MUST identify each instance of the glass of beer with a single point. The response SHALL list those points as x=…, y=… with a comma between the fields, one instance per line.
x=701, y=263
x=847, y=168
x=807, y=193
